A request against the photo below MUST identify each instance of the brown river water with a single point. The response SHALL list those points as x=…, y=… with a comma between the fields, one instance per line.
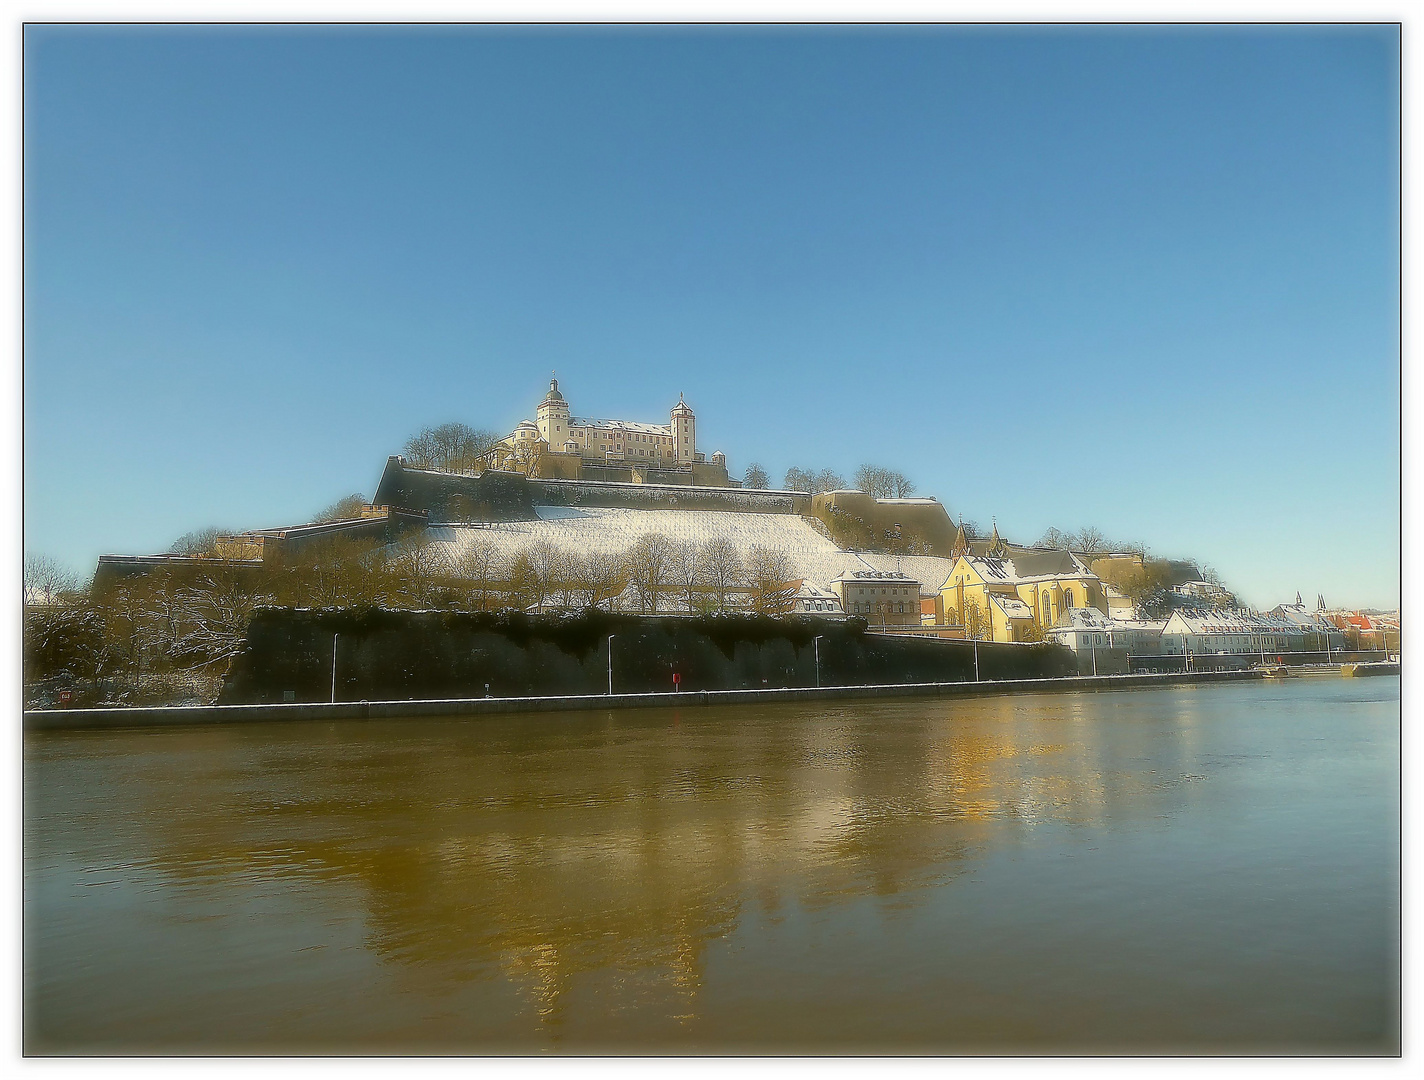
x=1194, y=869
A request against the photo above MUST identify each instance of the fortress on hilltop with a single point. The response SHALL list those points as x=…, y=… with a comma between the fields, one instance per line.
x=559, y=446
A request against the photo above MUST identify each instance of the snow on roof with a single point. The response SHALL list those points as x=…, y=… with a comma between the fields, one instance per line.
x=1081, y=619
x=621, y=425
x=998, y=569
x=1084, y=619
x=1037, y=568
x=872, y=574
x=1300, y=615
x=1012, y=606
x=615, y=530
x=930, y=571
x=1232, y=621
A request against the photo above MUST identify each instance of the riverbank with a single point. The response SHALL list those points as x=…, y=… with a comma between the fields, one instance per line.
x=70, y=719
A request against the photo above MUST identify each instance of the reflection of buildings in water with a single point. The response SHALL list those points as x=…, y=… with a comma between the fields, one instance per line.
x=1060, y=758
x=623, y=850
x=548, y=911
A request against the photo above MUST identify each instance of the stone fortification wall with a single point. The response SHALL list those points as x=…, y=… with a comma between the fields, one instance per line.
x=652, y=496
x=491, y=496
x=924, y=519
x=403, y=655
x=503, y=496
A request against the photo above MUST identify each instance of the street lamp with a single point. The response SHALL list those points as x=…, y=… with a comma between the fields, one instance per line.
x=816, y=645
x=610, y=663
x=335, y=640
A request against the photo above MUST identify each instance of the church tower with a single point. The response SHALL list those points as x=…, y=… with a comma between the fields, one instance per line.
x=997, y=548
x=553, y=417
x=684, y=431
x=961, y=542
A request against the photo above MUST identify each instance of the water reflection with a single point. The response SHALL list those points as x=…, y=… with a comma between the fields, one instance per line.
x=590, y=864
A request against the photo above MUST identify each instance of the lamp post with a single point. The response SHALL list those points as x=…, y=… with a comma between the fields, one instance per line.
x=816, y=645
x=976, y=658
x=610, y=663
x=335, y=640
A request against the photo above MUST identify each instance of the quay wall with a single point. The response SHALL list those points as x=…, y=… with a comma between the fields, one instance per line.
x=296, y=656
x=177, y=715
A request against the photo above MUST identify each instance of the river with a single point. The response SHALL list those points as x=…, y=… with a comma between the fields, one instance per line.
x=1194, y=869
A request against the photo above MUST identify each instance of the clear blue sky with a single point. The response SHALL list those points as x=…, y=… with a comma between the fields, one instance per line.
x=1146, y=279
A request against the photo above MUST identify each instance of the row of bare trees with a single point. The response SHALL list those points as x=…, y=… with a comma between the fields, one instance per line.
x=453, y=448
x=874, y=480
x=194, y=615
x=1089, y=540
x=656, y=574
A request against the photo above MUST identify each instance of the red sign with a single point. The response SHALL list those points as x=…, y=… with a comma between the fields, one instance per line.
x=676, y=678
x=64, y=697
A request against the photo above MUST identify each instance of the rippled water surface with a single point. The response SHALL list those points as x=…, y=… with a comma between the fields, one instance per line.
x=1194, y=869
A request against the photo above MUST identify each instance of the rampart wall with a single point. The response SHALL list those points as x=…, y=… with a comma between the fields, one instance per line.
x=403, y=655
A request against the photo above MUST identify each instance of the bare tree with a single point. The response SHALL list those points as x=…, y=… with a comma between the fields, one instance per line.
x=883, y=483
x=768, y=573
x=977, y=625
x=685, y=573
x=198, y=542
x=480, y=568
x=533, y=574
x=649, y=569
x=46, y=580
x=336, y=571
x=1090, y=540
x=418, y=567
x=1056, y=539
x=568, y=584
x=721, y=570
x=211, y=617
x=454, y=448
x=343, y=509
x=607, y=576
x=813, y=482
x=1034, y=631
x=523, y=582
x=755, y=477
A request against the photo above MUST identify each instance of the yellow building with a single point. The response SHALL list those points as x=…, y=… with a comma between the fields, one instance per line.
x=1016, y=596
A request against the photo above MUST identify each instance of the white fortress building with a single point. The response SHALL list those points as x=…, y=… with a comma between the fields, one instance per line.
x=557, y=444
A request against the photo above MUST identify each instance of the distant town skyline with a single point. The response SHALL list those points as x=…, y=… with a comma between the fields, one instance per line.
x=1143, y=279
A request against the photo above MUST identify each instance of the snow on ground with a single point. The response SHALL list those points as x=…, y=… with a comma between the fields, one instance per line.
x=616, y=530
